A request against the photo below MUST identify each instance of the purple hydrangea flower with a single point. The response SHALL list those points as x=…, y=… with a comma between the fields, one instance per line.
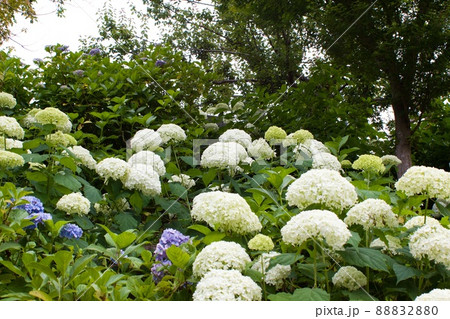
x=94, y=51
x=168, y=238
x=34, y=205
x=38, y=218
x=158, y=270
x=63, y=48
x=71, y=231
x=160, y=63
x=78, y=72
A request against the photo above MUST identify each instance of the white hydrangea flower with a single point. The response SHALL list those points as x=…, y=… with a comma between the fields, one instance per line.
x=349, y=277
x=150, y=159
x=144, y=179
x=113, y=168
x=223, y=155
x=183, y=179
x=326, y=160
x=425, y=180
x=51, y=115
x=10, y=127
x=322, y=186
x=290, y=140
x=394, y=243
x=211, y=126
x=420, y=221
x=10, y=143
x=225, y=212
x=171, y=132
x=432, y=241
x=260, y=149
x=10, y=159
x=74, y=203
x=390, y=160
x=236, y=135
x=276, y=274
x=84, y=156
x=318, y=224
x=7, y=100
x=221, y=187
x=261, y=242
x=372, y=213
x=226, y=285
x=435, y=295
x=310, y=147
x=60, y=139
x=220, y=255
x=145, y=140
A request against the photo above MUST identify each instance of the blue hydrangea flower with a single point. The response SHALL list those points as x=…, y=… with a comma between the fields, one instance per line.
x=71, y=231
x=34, y=205
x=78, y=72
x=160, y=63
x=94, y=51
x=158, y=270
x=168, y=238
x=63, y=48
x=38, y=218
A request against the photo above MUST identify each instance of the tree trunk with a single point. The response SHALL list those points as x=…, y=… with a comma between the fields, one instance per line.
x=402, y=136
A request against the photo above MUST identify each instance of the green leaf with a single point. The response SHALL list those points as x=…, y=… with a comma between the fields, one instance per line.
x=29, y=145
x=146, y=256
x=69, y=163
x=41, y=295
x=359, y=295
x=355, y=239
x=34, y=158
x=178, y=190
x=43, y=269
x=367, y=257
x=68, y=181
x=212, y=237
x=264, y=192
x=209, y=176
x=444, y=210
x=137, y=202
x=10, y=246
x=36, y=176
x=177, y=256
x=403, y=272
x=13, y=268
x=302, y=294
x=92, y=193
x=284, y=259
x=63, y=258
x=125, y=239
x=83, y=222
x=200, y=228
x=125, y=221
x=80, y=265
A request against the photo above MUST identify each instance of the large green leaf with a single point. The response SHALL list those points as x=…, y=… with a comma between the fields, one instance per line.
x=302, y=294
x=125, y=239
x=284, y=259
x=403, y=272
x=10, y=246
x=67, y=180
x=177, y=256
x=63, y=258
x=200, y=228
x=125, y=221
x=367, y=257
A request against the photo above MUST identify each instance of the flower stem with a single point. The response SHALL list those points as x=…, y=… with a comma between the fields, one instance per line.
x=315, y=264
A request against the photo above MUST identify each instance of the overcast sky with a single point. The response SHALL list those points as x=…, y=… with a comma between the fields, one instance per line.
x=79, y=20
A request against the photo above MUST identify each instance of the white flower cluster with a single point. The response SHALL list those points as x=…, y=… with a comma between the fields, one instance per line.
x=84, y=156
x=420, y=221
x=236, y=135
x=326, y=160
x=317, y=224
x=7, y=100
x=60, y=139
x=394, y=243
x=74, y=203
x=113, y=168
x=349, y=277
x=261, y=242
x=171, y=132
x=276, y=274
x=145, y=140
x=10, y=127
x=425, y=180
x=432, y=241
x=51, y=115
x=10, y=159
x=390, y=160
x=225, y=212
x=260, y=149
x=435, y=295
x=372, y=213
x=143, y=178
x=10, y=143
x=223, y=155
x=148, y=158
x=220, y=255
x=309, y=148
x=183, y=179
x=322, y=186
x=226, y=285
